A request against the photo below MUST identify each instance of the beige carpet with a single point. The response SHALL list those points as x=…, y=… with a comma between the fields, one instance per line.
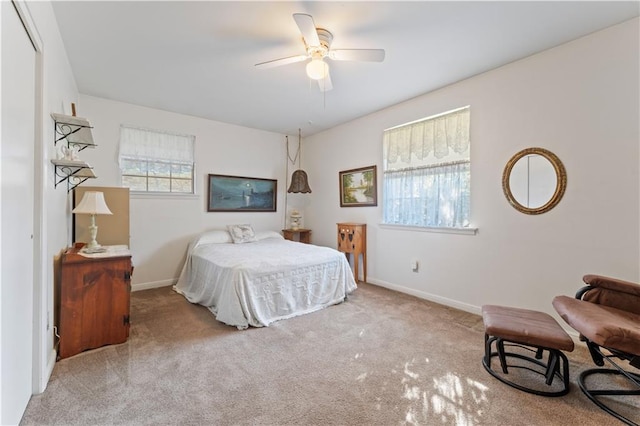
x=381, y=358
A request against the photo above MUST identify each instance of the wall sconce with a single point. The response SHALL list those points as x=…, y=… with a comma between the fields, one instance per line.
x=93, y=203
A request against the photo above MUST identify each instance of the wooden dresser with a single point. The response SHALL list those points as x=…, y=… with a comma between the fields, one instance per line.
x=94, y=300
x=352, y=239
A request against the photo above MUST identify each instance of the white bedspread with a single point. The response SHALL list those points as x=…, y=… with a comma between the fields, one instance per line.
x=257, y=283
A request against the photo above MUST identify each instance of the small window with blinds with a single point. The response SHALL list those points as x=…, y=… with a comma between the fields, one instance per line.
x=426, y=172
x=153, y=161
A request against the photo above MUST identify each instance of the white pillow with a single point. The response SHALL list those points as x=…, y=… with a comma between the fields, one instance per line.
x=241, y=233
x=261, y=235
x=218, y=236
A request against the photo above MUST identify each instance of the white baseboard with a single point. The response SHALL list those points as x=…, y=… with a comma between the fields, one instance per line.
x=456, y=304
x=152, y=284
x=427, y=296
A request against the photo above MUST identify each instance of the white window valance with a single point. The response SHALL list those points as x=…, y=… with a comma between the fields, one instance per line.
x=440, y=139
x=154, y=145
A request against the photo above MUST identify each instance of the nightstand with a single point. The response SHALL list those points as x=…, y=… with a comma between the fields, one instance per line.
x=352, y=239
x=94, y=299
x=301, y=235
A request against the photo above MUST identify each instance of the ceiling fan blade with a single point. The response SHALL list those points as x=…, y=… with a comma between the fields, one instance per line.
x=369, y=55
x=307, y=28
x=281, y=61
x=325, y=84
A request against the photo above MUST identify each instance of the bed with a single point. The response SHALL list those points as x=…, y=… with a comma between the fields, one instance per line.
x=262, y=280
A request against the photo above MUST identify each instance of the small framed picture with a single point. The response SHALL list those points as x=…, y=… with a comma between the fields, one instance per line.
x=358, y=187
x=241, y=194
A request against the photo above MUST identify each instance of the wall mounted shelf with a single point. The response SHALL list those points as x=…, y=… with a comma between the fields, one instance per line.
x=75, y=130
x=73, y=172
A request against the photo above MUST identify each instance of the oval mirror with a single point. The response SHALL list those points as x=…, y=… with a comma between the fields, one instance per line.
x=534, y=180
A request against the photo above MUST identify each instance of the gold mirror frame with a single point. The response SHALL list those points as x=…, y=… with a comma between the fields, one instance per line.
x=561, y=182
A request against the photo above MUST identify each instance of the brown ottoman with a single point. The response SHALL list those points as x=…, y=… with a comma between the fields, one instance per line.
x=532, y=331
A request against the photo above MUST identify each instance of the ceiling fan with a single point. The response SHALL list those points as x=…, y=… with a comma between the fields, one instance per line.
x=317, y=42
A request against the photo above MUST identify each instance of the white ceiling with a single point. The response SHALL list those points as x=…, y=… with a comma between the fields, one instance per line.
x=197, y=58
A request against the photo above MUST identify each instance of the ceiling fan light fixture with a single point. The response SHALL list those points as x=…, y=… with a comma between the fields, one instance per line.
x=317, y=69
x=317, y=44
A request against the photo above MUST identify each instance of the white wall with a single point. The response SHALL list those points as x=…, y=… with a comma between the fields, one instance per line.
x=580, y=101
x=162, y=226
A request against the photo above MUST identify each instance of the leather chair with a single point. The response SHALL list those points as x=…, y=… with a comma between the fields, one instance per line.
x=606, y=313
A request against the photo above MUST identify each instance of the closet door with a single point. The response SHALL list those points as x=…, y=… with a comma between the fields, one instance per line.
x=17, y=177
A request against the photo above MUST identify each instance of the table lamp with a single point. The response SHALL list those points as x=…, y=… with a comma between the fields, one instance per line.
x=296, y=218
x=92, y=203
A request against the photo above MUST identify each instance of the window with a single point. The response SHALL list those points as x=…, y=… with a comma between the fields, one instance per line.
x=156, y=162
x=426, y=172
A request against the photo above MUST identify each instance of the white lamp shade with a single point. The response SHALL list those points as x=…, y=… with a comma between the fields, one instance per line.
x=92, y=203
x=317, y=69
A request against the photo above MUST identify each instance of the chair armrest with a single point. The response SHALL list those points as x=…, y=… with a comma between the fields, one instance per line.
x=612, y=284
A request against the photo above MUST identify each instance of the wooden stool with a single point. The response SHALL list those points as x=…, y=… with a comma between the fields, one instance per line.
x=530, y=330
x=352, y=240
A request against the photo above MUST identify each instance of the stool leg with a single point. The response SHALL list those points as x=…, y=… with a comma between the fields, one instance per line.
x=539, y=353
x=552, y=366
x=557, y=365
x=501, y=355
x=565, y=373
x=487, y=350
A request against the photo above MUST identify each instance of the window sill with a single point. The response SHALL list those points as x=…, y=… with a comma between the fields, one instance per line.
x=163, y=195
x=461, y=231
